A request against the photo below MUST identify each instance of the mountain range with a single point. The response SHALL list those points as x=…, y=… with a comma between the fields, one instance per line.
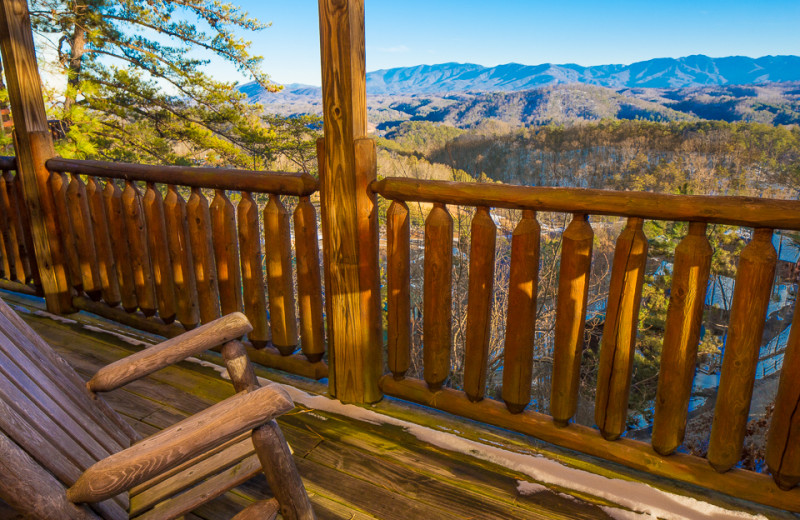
x=735, y=88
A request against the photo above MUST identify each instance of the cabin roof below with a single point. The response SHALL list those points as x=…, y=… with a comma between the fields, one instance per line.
x=368, y=462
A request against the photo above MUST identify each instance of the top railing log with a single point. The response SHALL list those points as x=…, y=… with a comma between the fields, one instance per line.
x=783, y=441
x=299, y=184
x=690, y=275
x=751, y=294
x=573, y=292
x=619, y=332
x=741, y=211
x=521, y=317
x=479, y=303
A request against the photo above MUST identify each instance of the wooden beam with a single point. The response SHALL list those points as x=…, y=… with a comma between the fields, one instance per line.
x=349, y=220
x=739, y=211
x=34, y=146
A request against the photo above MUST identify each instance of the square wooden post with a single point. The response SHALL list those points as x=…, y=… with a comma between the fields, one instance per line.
x=34, y=146
x=349, y=210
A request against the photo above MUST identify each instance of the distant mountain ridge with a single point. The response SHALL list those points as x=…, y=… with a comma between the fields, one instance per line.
x=765, y=90
x=690, y=71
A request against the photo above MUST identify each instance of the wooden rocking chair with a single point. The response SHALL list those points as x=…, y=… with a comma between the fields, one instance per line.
x=64, y=453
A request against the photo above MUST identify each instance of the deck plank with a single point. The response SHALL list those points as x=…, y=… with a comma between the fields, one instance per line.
x=352, y=470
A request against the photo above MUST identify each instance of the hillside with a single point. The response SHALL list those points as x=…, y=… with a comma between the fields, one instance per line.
x=773, y=103
x=690, y=71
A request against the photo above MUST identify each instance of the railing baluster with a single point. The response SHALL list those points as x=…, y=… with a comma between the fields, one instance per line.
x=437, y=296
x=573, y=291
x=282, y=309
x=5, y=265
x=681, y=336
x=309, y=284
x=751, y=294
x=619, y=332
x=157, y=242
x=107, y=269
x=226, y=253
x=521, y=317
x=783, y=440
x=24, y=232
x=13, y=263
x=181, y=254
x=255, y=300
x=58, y=185
x=203, y=253
x=112, y=198
x=78, y=207
x=136, y=230
x=481, y=288
x=398, y=285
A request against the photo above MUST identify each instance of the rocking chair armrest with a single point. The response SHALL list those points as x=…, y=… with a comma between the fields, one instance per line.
x=147, y=361
x=179, y=443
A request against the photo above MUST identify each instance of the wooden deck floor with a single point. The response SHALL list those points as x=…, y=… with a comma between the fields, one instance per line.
x=352, y=469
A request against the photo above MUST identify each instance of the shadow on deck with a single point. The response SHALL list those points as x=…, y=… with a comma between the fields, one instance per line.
x=355, y=462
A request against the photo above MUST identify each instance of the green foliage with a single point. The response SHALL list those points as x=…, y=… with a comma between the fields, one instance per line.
x=136, y=85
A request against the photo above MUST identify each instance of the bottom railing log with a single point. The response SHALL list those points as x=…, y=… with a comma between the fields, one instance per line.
x=738, y=483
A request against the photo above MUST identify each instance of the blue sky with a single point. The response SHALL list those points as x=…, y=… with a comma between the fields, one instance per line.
x=411, y=32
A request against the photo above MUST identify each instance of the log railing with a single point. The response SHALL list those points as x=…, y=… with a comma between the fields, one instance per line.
x=18, y=266
x=691, y=270
x=187, y=245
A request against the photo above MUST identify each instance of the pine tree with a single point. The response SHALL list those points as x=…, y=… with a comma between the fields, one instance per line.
x=136, y=89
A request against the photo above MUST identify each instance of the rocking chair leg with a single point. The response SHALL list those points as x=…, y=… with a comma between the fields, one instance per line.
x=281, y=473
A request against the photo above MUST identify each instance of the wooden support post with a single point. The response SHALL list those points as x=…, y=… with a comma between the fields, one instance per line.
x=34, y=146
x=349, y=223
